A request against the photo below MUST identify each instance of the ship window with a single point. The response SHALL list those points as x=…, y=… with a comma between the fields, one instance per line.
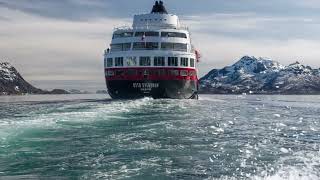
x=131, y=72
x=180, y=47
x=173, y=72
x=191, y=62
x=147, y=34
x=122, y=34
x=110, y=73
x=184, y=62
x=120, y=47
x=167, y=46
x=152, y=33
x=159, y=61
x=160, y=72
x=119, y=73
x=118, y=61
x=192, y=73
x=172, y=61
x=146, y=72
x=139, y=46
x=174, y=46
x=183, y=73
x=173, y=34
x=156, y=72
x=116, y=47
x=126, y=46
x=131, y=61
x=127, y=34
x=145, y=45
x=152, y=45
x=139, y=34
x=145, y=61
x=109, y=62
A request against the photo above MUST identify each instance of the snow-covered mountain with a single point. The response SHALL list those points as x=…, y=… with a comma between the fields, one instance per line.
x=262, y=76
x=11, y=82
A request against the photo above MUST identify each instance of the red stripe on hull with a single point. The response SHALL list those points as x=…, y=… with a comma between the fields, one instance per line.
x=148, y=73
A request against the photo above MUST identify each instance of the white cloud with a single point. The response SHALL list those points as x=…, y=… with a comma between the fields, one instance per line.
x=247, y=23
x=51, y=49
x=219, y=51
x=224, y=38
x=313, y=4
x=224, y=22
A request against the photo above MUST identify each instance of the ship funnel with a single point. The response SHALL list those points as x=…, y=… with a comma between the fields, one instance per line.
x=159, y=8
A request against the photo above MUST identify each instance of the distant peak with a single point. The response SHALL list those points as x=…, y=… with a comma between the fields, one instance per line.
x=246, y=60
x=296, y=63
x=5, y=64
x=298, y=66
x=251, y=59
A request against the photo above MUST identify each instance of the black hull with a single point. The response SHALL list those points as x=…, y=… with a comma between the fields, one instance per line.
x=158, y=89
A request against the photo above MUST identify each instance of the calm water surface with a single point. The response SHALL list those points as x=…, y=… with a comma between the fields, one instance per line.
x=216, y=137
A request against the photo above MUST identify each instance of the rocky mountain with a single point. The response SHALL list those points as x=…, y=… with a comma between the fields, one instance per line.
x=11, y=82
x=262, y=76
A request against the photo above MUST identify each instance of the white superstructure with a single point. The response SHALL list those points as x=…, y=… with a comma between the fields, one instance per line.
x=155, y=39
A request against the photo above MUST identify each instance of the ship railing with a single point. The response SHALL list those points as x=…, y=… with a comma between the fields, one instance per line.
x=122, y=28
x=128, y=28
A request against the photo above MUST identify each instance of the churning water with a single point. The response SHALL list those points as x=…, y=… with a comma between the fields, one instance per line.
x=216, y=137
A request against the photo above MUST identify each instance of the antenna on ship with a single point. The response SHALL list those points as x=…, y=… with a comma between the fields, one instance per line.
x=159, y=8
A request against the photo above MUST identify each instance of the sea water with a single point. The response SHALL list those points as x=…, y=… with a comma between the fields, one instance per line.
x=215, y=137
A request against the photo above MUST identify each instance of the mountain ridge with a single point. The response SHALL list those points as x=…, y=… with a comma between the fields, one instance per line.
x=12, y=83
x=248, y=75
x=261, y=76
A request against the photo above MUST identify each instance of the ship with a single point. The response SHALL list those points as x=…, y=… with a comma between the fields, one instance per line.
x=152, y=58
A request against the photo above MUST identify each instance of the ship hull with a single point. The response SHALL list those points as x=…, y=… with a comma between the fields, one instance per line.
x=133, y=89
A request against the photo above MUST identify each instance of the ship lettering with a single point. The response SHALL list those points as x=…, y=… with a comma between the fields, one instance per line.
x=145, y=86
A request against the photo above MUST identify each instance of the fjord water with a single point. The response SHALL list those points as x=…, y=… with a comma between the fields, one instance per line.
x=216, y=137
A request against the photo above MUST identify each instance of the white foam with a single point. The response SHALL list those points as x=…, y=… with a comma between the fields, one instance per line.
x=277, y=115
x=306, y=167
x=74, y=113
x=284, y=150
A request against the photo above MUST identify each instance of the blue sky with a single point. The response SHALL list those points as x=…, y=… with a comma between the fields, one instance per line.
x=50, y=40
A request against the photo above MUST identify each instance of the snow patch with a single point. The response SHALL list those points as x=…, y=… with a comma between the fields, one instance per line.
x=261, y=75
x=7, y=72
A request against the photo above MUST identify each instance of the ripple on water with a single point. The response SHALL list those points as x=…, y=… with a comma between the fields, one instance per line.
x=217, y=137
